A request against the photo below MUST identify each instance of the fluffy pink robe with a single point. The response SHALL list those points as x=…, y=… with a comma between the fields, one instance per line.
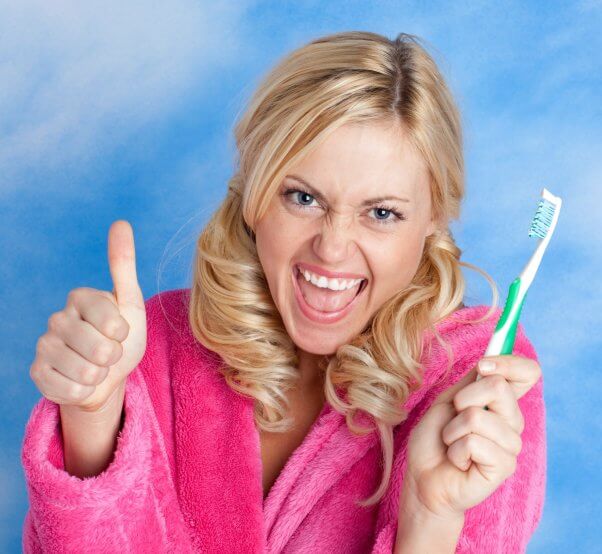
x=186, y=476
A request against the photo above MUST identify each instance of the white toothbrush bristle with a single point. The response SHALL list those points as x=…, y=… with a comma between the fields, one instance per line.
x=544, y=216
x=542, y=227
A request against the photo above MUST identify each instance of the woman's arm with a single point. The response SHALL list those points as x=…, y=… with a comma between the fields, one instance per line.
x=89, y=439
x=506, y=519
x=419, y=531
x=132, y=504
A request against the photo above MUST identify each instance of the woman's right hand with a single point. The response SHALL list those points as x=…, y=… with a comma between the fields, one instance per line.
x=95, y=342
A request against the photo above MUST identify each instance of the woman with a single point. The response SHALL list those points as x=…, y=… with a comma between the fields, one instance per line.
x=314, y=390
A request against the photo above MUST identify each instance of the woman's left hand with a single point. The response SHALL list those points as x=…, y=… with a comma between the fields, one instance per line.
x=459, y=453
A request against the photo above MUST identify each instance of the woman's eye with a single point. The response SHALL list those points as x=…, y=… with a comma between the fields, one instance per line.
x=301, y=195
x=387, y=213
x=396, y=216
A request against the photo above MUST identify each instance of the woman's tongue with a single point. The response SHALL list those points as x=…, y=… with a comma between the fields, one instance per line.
x=324, y=299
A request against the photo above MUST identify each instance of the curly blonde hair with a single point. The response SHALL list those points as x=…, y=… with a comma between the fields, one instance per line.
x=343, y=77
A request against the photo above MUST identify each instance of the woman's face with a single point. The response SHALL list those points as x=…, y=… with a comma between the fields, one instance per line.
x=330, y=224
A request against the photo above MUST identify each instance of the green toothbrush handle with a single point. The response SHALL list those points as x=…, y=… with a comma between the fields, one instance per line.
x=508, y=321
x=502, y=340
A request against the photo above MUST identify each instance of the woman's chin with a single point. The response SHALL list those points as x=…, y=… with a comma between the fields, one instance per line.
x=317, y=342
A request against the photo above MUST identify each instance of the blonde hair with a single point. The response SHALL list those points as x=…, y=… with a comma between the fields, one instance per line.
x=344, y=77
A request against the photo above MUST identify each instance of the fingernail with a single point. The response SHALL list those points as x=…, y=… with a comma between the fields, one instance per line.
x=486, y=366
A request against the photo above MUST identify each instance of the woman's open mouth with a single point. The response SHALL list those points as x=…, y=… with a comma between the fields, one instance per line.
x=321, y=304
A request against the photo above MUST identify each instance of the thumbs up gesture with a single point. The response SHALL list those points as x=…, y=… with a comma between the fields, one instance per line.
x=95, y=342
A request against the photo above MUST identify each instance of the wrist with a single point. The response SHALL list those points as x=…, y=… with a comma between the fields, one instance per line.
x=89, y=439
x=411, y=509
x=422, y=530
x=107, y=413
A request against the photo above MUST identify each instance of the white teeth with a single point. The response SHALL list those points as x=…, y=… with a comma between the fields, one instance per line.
x=332, y=284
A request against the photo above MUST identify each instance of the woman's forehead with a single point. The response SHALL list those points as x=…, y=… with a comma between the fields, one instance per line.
x=365, y=161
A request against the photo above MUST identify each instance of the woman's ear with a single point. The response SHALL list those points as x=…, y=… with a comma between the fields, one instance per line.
x=432, y=227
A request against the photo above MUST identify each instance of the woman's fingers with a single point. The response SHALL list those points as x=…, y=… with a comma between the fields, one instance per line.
x=56, y=386
x=494, y=463
x=486, y=424
x=495, y=392
x=83, y=338
x=521, y=372
x=72, y=365
x=99, y=309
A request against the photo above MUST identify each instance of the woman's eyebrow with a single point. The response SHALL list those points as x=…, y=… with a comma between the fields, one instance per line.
x=321, y=197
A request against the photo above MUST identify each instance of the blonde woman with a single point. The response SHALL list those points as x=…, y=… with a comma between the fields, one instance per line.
x=314, y=390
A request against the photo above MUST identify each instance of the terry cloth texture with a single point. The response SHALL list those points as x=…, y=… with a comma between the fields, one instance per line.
x=187, y=473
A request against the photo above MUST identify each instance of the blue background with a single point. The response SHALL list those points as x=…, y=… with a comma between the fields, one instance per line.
x=113, y=110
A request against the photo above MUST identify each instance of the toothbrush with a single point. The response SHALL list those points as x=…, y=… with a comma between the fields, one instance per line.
x=542, y=227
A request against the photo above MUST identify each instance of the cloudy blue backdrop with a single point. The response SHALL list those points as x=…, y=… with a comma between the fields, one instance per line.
x=112, y=110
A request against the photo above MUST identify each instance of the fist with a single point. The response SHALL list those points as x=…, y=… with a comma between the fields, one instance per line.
x=460, y=453
x=93, y=344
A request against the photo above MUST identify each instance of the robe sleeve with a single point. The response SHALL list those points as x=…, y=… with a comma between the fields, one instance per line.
x=131, y=506
x=504, y=522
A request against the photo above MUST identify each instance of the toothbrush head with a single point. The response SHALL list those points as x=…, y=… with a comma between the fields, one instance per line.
x=546, y=216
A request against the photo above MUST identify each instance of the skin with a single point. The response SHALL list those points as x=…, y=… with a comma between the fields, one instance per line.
x=356, y=162
x=459, y=453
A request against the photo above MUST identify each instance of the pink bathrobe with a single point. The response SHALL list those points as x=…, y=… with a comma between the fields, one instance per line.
x=186, y=476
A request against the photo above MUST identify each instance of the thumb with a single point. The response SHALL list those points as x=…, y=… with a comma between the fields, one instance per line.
x=122, y=264
x=447, y=396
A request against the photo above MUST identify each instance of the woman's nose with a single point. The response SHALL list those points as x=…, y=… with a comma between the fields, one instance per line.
x=336, y=239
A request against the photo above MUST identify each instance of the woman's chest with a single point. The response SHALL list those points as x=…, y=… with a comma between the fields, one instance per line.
x=277, y=448
x=314, y=472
